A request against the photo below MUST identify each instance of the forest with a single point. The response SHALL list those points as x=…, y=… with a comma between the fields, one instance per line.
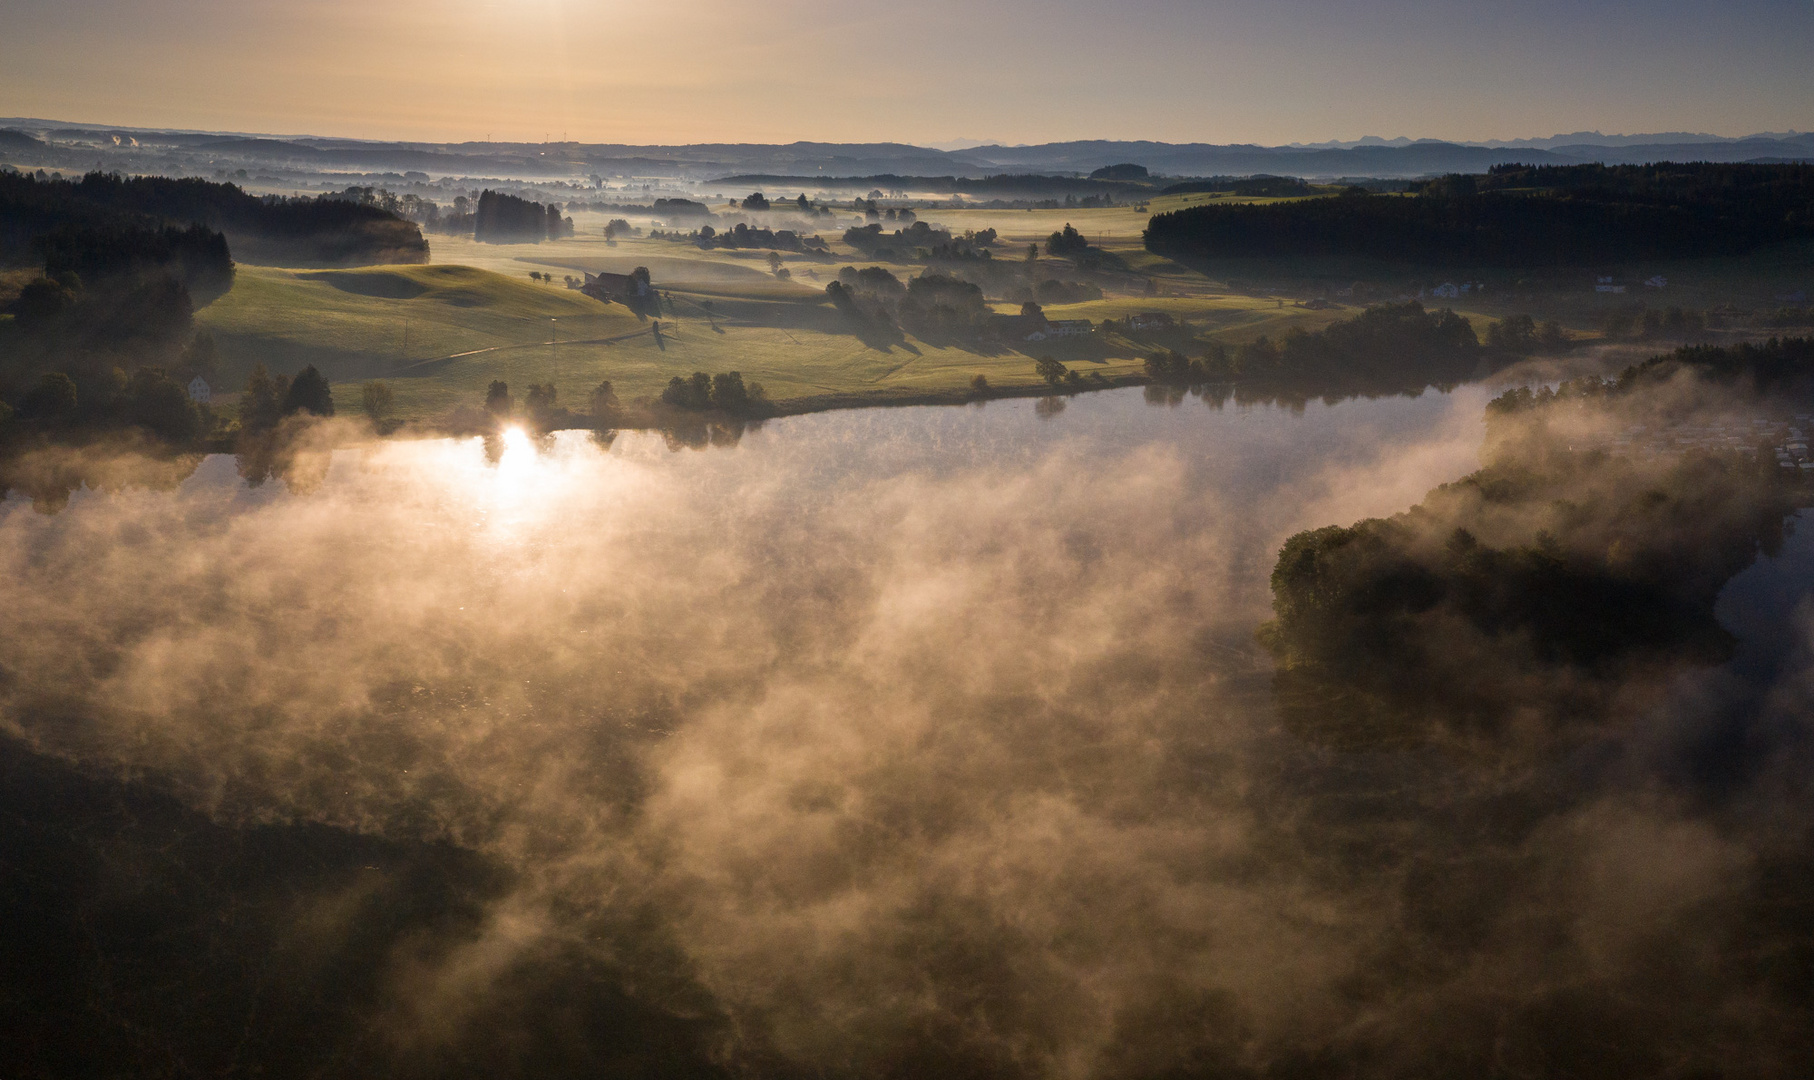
x=1544, y=579
x=1518, y=216
x=299, y=231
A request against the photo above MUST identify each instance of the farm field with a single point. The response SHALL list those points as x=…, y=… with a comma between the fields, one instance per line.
x=440, y=333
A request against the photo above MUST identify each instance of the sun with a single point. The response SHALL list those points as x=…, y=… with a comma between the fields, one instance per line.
x=515, y=438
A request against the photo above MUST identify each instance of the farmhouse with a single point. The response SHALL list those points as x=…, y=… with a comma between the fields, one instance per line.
x=608, y=287
x=1150, y=320
x=1068, y=327
x=199, y=391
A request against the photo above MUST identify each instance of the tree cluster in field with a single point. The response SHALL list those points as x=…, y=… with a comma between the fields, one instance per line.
x=1053, y=291
x=932, y=305
x=269, y=398
x=724, y=392
x=1519, y=216
x=500, y=218
x=916, y=241
x=669, y=209
x=1527, y=587
x=1068, y=243
x=742, y=235
x=972, y=247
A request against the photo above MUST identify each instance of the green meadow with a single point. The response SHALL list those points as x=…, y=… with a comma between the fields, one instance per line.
x=440, y=334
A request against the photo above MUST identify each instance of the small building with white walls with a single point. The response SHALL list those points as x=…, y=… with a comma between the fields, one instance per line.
x=199, y=391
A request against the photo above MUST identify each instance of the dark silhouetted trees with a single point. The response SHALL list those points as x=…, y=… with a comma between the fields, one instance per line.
x=309, y=392
x=132, y=218
x=725, y=392
x=497, y=399
x=507, y=219
x=261, y=405
x=159, y=404
x=603, y=399
x=1520, y=216
x=1066, y=242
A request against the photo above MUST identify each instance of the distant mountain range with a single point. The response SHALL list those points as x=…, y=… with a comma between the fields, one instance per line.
x=22, y=139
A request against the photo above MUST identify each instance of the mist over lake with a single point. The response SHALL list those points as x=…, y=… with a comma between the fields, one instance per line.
x=881, y=743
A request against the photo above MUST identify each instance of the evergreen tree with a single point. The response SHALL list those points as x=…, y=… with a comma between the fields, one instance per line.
x=309, y=392
x=497, y=398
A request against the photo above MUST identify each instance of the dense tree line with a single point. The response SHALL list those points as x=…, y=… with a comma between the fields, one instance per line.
x=61, y=316
x=725, y=392
x=300, y=229
x=1780, y=364
x=742, y=235
x=507, y=219
x=917, y=240
x=87, y=402
x=197, y=255
x=1520, y=216
x=1388, y=348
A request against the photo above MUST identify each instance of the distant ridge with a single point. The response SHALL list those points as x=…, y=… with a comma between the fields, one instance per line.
x=64, y=145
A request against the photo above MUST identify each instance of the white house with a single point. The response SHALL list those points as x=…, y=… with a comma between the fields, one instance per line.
x=1068, y=327
x=198, y=390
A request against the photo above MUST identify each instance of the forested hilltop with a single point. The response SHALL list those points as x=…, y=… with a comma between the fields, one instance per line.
x=1518, y=216
x=1590, y=547
x=36, y=215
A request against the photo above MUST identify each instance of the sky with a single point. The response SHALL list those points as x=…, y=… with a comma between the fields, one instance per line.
x=1012, y=71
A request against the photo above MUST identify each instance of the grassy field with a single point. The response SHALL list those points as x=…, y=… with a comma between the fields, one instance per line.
x=439, y=334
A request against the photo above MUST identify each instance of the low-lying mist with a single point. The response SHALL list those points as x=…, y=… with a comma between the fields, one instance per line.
x=912, y=743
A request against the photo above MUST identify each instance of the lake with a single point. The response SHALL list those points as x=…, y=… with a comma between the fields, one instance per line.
x=889, y=740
